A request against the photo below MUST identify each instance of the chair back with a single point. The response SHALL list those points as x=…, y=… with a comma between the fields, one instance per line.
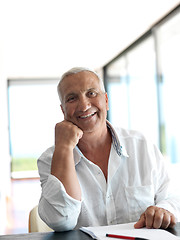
x=36, y=224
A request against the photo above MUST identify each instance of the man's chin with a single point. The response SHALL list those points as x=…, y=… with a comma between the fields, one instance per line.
x=88, y=129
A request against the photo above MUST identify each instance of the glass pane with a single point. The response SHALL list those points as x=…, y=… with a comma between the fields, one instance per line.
x=131, y=87
x=34, y=109
x=118, y=93
x=169, y=49
x=142, y=90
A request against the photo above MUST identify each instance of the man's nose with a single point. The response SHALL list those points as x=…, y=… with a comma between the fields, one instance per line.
x=84, y=104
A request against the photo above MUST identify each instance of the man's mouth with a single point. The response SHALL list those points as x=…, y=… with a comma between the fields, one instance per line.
x=87, y=116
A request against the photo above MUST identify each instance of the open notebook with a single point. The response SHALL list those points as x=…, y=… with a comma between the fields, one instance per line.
x=99, y=233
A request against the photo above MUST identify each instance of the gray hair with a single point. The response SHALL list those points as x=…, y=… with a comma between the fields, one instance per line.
x=77, y=70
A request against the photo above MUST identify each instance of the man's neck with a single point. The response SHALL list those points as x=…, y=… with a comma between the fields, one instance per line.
x=94, y=140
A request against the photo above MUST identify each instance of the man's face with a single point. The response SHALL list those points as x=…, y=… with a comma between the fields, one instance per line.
x=83, y=102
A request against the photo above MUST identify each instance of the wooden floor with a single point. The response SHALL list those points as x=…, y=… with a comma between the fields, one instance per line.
x=25, y=195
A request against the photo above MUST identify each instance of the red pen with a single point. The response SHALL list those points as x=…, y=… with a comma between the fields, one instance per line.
x=124, y=237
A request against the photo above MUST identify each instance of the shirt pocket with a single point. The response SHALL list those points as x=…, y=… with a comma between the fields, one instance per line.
x=138, y=199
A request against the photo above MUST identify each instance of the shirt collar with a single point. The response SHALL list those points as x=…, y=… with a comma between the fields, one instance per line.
x=120, y=150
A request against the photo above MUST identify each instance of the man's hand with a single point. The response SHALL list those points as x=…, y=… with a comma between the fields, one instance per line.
x=67, y=134
x=155, y=217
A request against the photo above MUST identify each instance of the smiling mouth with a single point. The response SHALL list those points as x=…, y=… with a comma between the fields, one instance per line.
x=87, y=116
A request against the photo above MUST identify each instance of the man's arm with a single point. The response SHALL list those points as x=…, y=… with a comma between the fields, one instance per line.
x=67, y=136
x=59, y=206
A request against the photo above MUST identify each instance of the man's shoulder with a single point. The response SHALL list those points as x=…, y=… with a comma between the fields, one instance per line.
x=125, y=132
x=129, y=133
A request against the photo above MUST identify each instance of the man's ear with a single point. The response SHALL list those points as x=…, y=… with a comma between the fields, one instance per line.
x=62, y=108
x=106, y=99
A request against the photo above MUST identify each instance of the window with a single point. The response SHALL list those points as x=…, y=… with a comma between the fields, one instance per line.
x=143, y=86
x=34, y=109
x=117, y=89
x=132, y=90
x=168, y=39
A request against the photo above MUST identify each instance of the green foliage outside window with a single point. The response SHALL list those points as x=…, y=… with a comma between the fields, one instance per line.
x=24, y=164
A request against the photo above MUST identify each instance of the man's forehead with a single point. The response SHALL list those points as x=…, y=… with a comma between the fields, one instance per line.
x=79, y=82
x=81, y=75
x=88, y=81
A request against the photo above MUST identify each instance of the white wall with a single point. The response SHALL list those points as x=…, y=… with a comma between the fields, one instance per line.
x=4, y=145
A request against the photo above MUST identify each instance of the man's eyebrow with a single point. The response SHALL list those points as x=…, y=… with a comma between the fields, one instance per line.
x=92, y=89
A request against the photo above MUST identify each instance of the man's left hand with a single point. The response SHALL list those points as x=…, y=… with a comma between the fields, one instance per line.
x=155, y=217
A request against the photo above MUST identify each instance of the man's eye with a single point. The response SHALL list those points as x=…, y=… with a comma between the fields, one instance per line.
x=92, y=94
x=70, y=99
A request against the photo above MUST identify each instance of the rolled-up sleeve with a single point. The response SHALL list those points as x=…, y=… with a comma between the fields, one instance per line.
x=59, y=210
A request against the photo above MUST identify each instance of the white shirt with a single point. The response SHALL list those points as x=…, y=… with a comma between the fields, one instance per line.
x=137, y=178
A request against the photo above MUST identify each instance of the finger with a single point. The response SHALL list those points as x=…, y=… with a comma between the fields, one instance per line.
x=149, y=217
x=163, y=219
x=141, y=223
x=166, y=220
x=80, y=134
x=173, y=221
x=160, y=218
x=78, y=130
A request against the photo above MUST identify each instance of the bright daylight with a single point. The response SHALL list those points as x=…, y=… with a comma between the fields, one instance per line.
x=77, y=157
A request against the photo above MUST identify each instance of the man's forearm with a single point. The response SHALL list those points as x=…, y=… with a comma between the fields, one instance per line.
x=63, y=168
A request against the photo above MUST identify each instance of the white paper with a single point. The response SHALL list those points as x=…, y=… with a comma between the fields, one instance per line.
x=129, y=230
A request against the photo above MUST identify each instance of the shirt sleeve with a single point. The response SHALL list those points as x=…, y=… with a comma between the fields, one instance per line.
x=165, y=196
x=56, y=208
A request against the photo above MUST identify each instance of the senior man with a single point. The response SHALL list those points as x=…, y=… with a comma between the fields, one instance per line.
x=98, y=174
